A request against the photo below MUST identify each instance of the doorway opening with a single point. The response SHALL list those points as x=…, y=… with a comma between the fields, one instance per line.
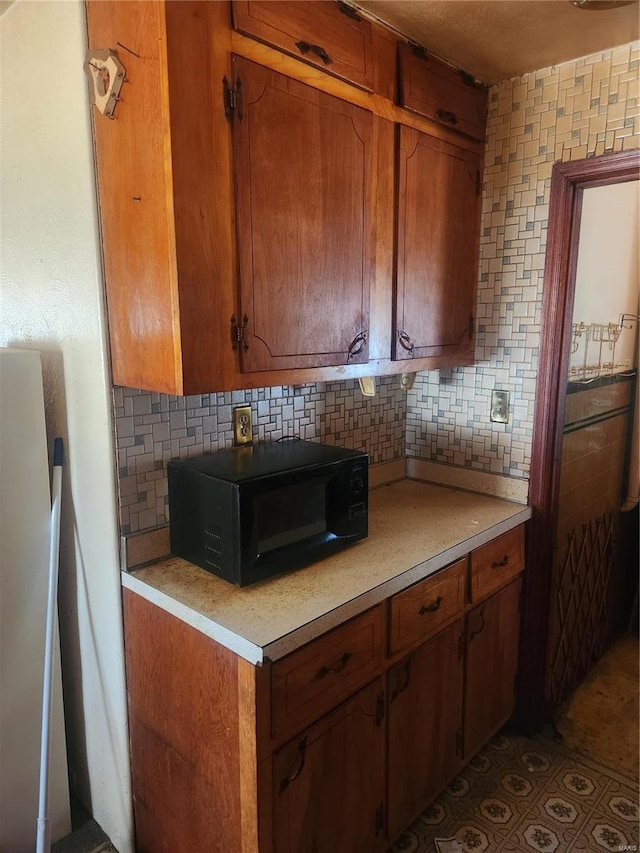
x=568, y=183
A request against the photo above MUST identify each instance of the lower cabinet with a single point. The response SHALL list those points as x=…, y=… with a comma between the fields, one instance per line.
x=329, y=782
x=425, y=717
x=492, y=632
x=335, y=748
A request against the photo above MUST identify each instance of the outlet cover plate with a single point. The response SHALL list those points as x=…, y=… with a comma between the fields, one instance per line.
x=242, y=426
x=500, y=407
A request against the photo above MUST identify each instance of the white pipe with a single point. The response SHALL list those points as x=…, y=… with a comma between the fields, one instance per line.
x=43, y=840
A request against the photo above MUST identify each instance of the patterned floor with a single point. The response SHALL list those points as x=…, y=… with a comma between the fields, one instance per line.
x=526, y=795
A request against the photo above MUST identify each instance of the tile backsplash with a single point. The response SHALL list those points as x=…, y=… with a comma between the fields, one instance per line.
x=153, y=428
x=571, y=111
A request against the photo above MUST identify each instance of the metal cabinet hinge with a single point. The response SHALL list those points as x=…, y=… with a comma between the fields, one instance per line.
x=470, y=326
x=232, y=99
x=468, y=79
x=239, y=333
x=349, y=11
x=418, y=50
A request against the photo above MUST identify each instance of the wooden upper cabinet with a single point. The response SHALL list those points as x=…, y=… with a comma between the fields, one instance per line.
x=437, y=91
x=165, y=191
x=304, y=201
x=331, y=35
x=437, y=241
x=252, y=244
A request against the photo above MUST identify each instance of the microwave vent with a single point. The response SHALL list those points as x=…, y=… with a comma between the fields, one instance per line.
x=213, y=547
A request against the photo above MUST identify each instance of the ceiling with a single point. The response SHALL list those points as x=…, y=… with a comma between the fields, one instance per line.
x=499, y=39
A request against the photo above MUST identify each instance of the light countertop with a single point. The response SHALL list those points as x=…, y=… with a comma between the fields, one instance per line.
x=415, y=528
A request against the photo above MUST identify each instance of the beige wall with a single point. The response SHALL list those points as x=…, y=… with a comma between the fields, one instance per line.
x=607, y=282
x=51, y=300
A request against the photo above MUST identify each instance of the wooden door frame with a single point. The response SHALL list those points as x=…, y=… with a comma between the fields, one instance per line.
x=568, y=182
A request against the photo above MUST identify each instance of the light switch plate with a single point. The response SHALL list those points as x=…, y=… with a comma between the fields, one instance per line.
x=242, y=426
x=500, y=407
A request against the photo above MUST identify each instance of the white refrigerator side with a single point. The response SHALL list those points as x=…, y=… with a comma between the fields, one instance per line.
x=25, y=511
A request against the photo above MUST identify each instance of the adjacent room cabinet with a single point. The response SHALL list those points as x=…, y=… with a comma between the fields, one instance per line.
x=250, y=213
x=337, y=746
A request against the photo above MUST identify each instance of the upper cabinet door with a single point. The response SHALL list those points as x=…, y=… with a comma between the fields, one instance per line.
x=434, y=89
x=437, y=241
x=303, y=177
x=331, y=35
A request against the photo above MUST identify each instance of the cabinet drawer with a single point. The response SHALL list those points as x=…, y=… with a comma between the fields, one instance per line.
x=326, y=671
x=420, y=611
x=496, y=563
x=327, y=34
x=437, y=91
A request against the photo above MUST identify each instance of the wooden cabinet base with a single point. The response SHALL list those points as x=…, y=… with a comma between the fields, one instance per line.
x=185, y=716
x=228, y=757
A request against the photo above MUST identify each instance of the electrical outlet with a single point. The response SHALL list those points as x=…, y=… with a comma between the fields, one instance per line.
x=242, y=426
x=500, y=407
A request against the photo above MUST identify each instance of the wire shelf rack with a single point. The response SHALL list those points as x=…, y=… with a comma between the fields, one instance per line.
x=593, y=348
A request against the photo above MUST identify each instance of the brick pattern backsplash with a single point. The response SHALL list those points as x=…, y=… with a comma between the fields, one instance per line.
x=579, y=109
x=153, y=428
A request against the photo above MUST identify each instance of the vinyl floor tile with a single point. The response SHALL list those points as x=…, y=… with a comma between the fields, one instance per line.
x=522, y=794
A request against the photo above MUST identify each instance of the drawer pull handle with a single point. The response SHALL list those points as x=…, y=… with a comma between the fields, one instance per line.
x=297, y=770
x=448, y=116
x=431, y=608
x=499, y=564
x=334, y=670
x=304, y=47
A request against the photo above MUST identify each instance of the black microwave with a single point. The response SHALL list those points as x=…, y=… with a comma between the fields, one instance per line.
x=247, y=513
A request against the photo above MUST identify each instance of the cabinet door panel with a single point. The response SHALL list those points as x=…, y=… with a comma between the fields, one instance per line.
x=316, y=31
x=425, y=718
x=492, y=632
x=329, y=782
x=437, y=238
x=436, y=90
x=304, y=201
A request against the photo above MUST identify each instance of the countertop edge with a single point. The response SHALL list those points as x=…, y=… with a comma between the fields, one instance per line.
x=209, y=627
x=257, y=655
